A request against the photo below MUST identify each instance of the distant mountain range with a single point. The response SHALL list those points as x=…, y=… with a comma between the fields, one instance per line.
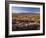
x=25, y=13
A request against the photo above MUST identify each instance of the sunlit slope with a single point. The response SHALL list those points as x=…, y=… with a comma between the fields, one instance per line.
x=28, y=16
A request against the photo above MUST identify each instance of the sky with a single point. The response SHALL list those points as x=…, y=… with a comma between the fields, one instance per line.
x=25, y=10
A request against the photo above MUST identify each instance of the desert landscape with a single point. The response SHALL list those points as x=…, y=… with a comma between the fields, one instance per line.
x=25, y=21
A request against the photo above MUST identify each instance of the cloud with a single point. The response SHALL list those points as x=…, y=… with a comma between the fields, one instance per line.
x=21, y=11
x=36, y=12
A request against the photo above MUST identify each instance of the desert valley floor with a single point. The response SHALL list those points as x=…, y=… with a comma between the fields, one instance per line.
x=25, y=22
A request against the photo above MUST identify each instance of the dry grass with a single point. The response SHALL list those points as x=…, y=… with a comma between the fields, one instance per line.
x=25, y=22
x=33, y=17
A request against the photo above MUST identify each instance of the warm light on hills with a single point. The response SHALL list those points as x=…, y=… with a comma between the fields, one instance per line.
x=34, y=17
